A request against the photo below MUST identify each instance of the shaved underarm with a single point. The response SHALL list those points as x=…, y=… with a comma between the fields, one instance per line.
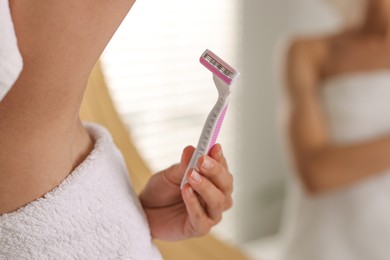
x=60, y=42
x=41, y=137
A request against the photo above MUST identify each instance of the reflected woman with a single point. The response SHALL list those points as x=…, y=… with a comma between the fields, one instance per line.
x=338, y=127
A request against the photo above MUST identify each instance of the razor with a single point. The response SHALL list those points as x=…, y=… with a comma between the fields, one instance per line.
x=223, y=76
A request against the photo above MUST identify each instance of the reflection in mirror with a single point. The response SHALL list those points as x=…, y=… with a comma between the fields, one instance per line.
x=337, y=137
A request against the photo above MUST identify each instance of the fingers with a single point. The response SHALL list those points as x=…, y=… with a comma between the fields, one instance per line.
x=217, y=174
x=200, y=223
x=217, y=154
x=207, y=193
x=175, y=173
x=213, y=197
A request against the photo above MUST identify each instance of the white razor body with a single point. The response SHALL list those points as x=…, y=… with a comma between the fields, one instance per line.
x=223, y=76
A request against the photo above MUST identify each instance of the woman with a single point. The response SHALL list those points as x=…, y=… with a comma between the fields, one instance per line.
x=63, y=184
x=337, y=91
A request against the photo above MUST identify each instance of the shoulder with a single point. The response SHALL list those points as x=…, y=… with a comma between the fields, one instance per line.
x=304, y=60
x=315, y=52
x=310, y=50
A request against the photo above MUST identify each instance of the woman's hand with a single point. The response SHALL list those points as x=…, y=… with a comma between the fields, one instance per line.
x=175, y=214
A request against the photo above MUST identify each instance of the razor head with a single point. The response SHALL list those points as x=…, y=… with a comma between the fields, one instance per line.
x=218, y=67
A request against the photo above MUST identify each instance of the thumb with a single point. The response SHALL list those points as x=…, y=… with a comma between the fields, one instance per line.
x=175, y=173
x=186, y=157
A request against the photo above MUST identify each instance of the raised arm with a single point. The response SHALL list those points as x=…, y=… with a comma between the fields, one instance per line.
x=41, y=137
x=321, y=164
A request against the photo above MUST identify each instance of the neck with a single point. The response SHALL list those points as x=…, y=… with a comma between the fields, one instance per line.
x=377, y=19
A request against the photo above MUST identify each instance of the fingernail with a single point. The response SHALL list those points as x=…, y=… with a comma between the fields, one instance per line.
x=220, y=153
x=207, y=163
x=195, y=176
x=190, y=191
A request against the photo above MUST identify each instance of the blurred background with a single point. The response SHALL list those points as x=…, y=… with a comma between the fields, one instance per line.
x=164, y=95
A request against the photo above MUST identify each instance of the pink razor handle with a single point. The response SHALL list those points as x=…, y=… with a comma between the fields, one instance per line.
x=223, y=76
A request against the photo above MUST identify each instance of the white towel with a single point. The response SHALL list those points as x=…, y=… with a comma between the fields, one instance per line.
x=92, y=214
x=10, y=59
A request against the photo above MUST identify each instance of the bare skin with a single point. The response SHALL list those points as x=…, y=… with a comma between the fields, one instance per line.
x=322, y=165
x=41, y=136
x=175, y=214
